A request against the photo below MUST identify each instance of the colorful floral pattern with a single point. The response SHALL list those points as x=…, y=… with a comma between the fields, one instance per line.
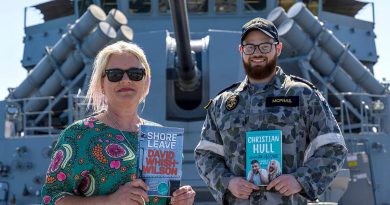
x=55, y=163
x=46, y=199
x=115, y=150
x=61, y=176
x=89, y=122
x=91, y=159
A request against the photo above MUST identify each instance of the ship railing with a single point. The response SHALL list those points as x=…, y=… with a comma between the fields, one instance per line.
x=79, y=108
x=21, y=123
x=22, y=120
x=370, y=114
x=370, y=117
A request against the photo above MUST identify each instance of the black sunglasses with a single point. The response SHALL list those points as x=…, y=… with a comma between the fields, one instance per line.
x=116, y=74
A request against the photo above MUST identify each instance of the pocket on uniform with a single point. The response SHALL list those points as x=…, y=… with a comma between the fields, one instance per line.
x=231, y=122
x=282, y=115
x=232, y=131
x=285, y=119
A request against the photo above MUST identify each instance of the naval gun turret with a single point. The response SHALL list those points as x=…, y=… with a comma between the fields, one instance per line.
x=188, y=86
x=188, y=73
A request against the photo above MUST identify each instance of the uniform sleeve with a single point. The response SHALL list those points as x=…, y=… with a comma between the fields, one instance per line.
x=209, y=159
x=325, y=152
x=60, y=177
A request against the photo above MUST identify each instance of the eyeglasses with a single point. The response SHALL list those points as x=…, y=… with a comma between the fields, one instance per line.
x=116, y=74
x=264, y=48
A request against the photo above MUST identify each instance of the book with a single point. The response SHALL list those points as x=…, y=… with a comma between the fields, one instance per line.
x=263, y=156
x=160, y=155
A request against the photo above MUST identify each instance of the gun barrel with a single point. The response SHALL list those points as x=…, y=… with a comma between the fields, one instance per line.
x=186, y=69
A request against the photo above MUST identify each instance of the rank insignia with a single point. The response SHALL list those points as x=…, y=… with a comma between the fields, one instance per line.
x=232, y=102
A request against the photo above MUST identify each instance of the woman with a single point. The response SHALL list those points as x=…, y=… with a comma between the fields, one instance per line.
x=94, y=160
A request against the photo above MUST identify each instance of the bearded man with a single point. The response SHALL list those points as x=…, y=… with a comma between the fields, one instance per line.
x=313, y=149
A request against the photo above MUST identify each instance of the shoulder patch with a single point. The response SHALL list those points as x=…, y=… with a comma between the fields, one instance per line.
x=303, y=81
x=208, y=104
x=230, y=87
x=232, y=102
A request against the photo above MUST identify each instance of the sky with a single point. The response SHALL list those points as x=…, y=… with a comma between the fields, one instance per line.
x=11, y=40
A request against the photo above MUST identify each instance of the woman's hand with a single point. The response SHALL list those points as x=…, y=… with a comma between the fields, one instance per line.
x=130, y=193
x=185, y=195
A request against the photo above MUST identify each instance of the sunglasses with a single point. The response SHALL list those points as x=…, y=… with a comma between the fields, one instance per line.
x=116, y=74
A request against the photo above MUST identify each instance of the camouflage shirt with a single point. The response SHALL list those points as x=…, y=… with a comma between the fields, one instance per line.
x=312, y=144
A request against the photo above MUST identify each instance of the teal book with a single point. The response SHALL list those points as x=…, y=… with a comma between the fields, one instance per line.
x=160, y=158
x=263, y=156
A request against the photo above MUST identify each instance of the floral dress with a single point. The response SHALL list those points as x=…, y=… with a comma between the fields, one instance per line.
x=90, y=159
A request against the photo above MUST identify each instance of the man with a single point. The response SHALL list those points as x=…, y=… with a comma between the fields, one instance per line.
x=273, y=170
x=257, y=175
x=268, y=99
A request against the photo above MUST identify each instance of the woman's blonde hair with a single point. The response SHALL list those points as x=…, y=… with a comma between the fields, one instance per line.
x=95, y=97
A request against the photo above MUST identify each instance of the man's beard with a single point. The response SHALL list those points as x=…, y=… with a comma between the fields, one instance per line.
x=260, y=72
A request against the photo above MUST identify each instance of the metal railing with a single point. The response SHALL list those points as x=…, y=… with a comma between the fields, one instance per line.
x=370, y=115
x=371, y=119
x=24, y=122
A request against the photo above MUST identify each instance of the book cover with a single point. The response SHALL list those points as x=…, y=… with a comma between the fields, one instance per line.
x=160, y=154
x=263, y=156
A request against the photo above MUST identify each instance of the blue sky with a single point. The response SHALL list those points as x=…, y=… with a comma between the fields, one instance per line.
x=11, y=40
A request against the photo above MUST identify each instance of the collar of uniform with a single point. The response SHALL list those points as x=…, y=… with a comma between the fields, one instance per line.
x=243, y=85
x=278, y=80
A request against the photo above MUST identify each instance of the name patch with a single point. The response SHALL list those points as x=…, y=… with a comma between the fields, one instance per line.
x=288, y=101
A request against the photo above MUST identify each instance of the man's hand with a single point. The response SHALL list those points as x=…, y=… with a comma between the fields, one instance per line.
x=285, y=184
x=241, y=188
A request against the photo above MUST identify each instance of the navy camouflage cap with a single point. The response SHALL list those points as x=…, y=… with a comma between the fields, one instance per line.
x=260, y=24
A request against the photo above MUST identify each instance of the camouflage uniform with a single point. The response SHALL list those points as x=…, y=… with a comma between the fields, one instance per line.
x=313, y=147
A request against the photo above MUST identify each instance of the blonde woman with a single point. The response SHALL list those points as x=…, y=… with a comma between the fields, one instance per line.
x=94, y=160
